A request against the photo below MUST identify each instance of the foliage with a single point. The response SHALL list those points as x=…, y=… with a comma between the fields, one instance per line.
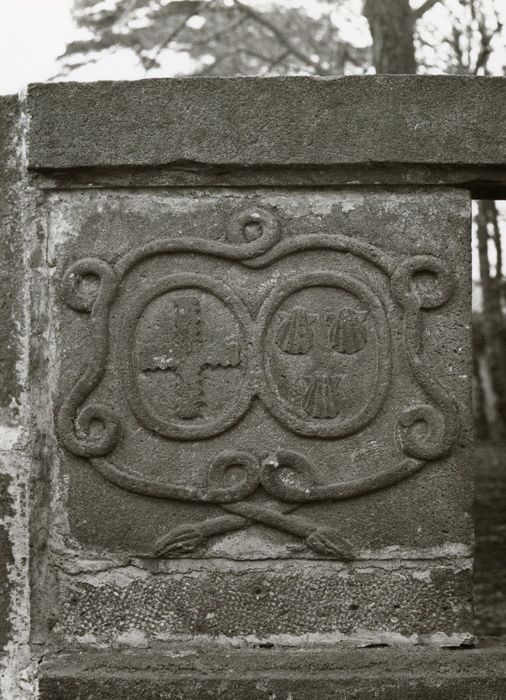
x=464, y=43
x=322, y=37
x=223, y=37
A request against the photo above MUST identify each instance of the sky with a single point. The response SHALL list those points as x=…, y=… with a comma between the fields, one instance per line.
x=34, y=32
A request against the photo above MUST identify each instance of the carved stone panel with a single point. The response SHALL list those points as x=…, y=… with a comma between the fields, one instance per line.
x=255, y=376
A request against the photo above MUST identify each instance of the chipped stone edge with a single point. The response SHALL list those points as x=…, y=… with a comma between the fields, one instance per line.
x=136, y=639
x=18, y=669
x=122, y=570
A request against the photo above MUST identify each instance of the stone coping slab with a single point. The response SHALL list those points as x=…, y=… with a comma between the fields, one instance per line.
x=337, y=674
x=445, y=129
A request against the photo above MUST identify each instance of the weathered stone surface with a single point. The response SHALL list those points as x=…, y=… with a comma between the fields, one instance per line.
x=348, y=122
x=10, y=302
x=6, y=559
x=5, y=588
x=383, y=674
x=278, y=334
x=283, y=605
x=11, y=255
x=15, y=210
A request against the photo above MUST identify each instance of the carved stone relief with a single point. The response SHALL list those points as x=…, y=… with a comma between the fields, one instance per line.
x=317, y=354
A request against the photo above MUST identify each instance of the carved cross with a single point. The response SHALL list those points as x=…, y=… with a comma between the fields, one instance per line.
x=187, y=356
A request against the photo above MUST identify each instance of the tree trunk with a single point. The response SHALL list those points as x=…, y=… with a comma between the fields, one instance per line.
x=391, y=23
x=481, y=423
x=481, y=427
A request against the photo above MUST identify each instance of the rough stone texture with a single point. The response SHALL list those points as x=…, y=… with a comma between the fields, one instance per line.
x=11, y=255
x=288, y=605
x=14, y=465
x=382, y=674
x=350, y=123
x=311, y=380
x=337, y=121
x=6, y=511
x=10, y=296
x=5, y=587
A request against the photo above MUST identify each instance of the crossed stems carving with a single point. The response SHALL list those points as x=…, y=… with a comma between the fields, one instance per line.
x=323, y=540
x=304, y=488
x=188, y=538
x=441, y=423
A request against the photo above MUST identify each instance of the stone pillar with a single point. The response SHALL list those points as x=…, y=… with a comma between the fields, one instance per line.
x=248, y=383
x=18, y=459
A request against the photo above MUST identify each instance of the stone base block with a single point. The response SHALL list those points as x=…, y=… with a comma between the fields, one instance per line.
x=271, y=674
x=280, y=603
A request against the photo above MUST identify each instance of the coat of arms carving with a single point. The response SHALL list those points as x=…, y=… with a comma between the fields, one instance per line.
x=316, y=349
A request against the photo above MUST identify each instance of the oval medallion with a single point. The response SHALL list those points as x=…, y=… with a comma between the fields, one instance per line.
x=188, y=357
x=324, y=354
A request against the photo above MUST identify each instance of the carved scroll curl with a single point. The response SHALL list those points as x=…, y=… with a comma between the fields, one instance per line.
x=309, y=489
x=89, y=286
x=216, y=476
x=238, y=249
x=215, y=491
x=264, y=222
x=425, y=431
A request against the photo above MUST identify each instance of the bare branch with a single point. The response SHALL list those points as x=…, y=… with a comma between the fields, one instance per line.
x=424, y=7
x=455, y=44
x=224, y=31
x=151, y=62
x=281, y=37
x=69, y=67
x=207, y=70
x=276, y=61
x=255, y=54
x=486, y=43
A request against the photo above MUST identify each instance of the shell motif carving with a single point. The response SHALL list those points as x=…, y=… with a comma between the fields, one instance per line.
x=320, y=399
x=348, y=333
x=295, y=335
x=308, y=384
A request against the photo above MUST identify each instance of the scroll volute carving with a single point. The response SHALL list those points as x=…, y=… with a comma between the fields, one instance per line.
x=315, y=335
